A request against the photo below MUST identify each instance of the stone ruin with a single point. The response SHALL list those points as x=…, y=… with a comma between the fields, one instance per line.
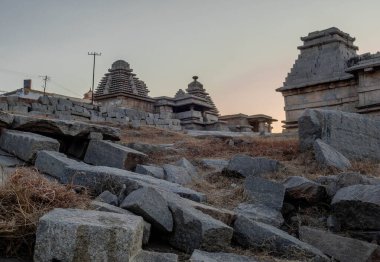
x=329, y=74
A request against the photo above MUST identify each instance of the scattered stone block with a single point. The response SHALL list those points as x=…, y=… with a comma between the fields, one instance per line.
x=104, y=207
x=358, y=207
x=6, y=119
x=353, y=135
x=97, y=178
x=250, y=233
x=106, y=153
x=203, y=256
x=25, y=145
x=147, y=256
x=186, y=164
x=177, y=174
x=246, y=166
x=221, y=214
x=327, y=156
x=217, y=164
x=82, y=235
x=339, y=247
x=299, y=188
x=260, y=213
x=108, y=197
x=265, y=192
x=149, y=204
x=154, y=171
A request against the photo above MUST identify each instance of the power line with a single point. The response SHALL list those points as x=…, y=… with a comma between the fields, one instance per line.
x=94, y=54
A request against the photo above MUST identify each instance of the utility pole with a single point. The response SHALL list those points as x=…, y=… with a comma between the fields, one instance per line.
x=45, y=79
x=94, y=54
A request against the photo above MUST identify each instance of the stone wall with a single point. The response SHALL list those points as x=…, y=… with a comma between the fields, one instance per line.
x=72, y=110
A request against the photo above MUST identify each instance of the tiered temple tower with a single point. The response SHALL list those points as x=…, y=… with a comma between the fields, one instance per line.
x=195, y=88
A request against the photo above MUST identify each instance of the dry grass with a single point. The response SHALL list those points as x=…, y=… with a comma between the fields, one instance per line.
x=24, y=197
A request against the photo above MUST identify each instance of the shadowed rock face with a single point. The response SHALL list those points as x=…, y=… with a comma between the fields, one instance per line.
x=358, y=207
x=353, y=135
x=301, y=189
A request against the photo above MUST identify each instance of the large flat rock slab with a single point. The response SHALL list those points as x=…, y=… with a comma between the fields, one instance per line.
x=327, y=156
x=57, y=127
x=82, y=235
x=25, y=145
x=96, y=177
x=339, y=247
x=106, y=153
x=246, y=166
x=250, y=233
x=353, y=135
x=203, y=256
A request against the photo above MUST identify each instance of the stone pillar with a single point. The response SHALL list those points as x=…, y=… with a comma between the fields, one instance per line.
x=270, y=127
x=261, y=126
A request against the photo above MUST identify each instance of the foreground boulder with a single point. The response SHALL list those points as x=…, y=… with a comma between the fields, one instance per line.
x=246, y=166
x=216, y=164
x=104, y=207
x=177, y=174
x=147, y=256
x=81, y=235
x=338, y=247
x=358, y=207
x=154, y=171
x=260, y=213
x=109, y=198
x=106, y=153
x=353, y=135
x=304, y=190
x=25, y=145
x=101, y=178
x=327, y=156
x=195, y=230
x=190, y=168
x=250, y=233
x=265, y=192
x=203, y=256
x=149, y=204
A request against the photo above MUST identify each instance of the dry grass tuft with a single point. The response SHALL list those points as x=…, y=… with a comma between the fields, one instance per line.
x=24, y=198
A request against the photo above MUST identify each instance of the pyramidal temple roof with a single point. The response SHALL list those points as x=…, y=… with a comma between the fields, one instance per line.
x=121, y=80
x=195, y=88
x=323, y=58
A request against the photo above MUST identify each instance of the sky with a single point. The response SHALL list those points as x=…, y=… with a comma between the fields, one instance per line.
x=241, y=50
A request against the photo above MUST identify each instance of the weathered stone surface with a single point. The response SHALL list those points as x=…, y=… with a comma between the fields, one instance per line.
x=149, y=204
x=260, y=213
x=246, y=166
x=62, y=127
x=6, y=119
x=250, y=233
x=302, y=189
x=147, y=256
x=25, y=145
x=190, y=168
x=68, y=235
x=98, y=177
x=327, y=156
x=104, y=207
x=149, y=148
x=338, y=247
x=193, y=229
x=203, y=256
x=358, y=207
x=335, y=182
x=217, y=164
x=154, y=171
x=177, y=174
x=106, y=153
x=221, y=214
x=108, y=197
x=9, y=160
x=351, y=134
x=265, y=192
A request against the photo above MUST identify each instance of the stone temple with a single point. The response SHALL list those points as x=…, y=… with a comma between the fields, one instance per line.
x=329, y=73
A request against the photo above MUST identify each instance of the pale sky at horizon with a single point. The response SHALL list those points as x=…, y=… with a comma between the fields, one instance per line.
x=241, y=50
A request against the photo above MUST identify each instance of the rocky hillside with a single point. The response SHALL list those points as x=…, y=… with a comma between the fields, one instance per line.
x=90, y=192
